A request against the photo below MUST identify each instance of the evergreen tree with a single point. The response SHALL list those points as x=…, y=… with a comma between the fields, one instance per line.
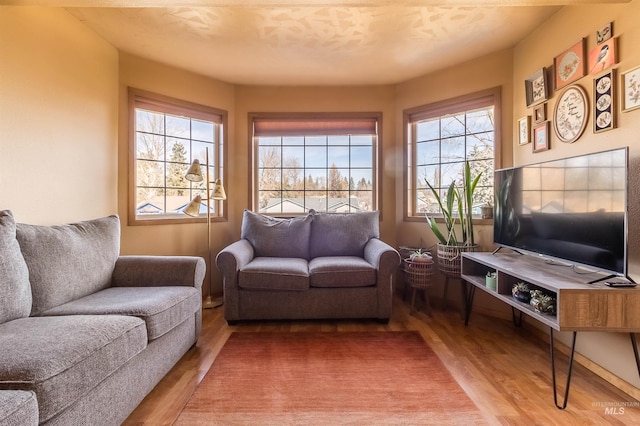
x=311, y=184
x=336, y=182
x=176, y=170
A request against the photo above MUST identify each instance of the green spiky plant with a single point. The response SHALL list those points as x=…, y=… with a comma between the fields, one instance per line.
x=458, y=201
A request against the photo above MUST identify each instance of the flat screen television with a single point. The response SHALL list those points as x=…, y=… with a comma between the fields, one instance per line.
x=572, y=209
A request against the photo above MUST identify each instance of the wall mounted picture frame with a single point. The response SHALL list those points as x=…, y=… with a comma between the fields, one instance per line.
x=604, y=33
x=630, y=89
x=524, y=130
x=570, y=114
x=604, y=110
x=539, y=113
x=603, y=56
x=570, y=65
x=536, y=88
x=541, y=137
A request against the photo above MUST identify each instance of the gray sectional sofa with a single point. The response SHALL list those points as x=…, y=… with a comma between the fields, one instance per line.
x=85, y=334
x=318, y=266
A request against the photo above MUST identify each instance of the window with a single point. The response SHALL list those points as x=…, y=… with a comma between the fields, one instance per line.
x=166, y=136
x=440, y=138
x=327, y=163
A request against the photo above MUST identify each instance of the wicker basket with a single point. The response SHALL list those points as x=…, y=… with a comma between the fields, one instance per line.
x=419, y=274
x=450, y=257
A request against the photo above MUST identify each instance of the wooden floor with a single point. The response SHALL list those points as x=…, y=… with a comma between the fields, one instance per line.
x=504, y=369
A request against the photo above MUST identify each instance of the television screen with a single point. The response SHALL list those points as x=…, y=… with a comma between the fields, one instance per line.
x=573, y=209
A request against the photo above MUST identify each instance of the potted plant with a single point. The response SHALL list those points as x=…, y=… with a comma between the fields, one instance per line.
x=420, y=256
x=521, y=292
x=543, y=303
x=457, y=212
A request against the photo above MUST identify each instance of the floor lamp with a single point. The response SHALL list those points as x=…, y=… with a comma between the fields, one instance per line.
x=194, y=174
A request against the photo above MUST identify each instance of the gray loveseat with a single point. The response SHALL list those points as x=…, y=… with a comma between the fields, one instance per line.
x=85, y=334
x=318, y=266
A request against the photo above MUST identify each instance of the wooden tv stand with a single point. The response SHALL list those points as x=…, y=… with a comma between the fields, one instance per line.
x=580, y=306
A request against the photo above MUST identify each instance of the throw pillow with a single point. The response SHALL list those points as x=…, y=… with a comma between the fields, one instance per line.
x=67, y=262
x=272, y=237
x=342, y=234
x=15, y=290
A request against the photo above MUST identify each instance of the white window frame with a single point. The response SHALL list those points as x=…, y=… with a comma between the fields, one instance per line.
x=308, y=121
x=140, y=99
x=458, y=105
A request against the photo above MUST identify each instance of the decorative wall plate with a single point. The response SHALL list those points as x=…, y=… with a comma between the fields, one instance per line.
x=604, y=109
x=570, y=114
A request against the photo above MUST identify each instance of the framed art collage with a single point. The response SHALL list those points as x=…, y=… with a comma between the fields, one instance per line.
x=575, y=105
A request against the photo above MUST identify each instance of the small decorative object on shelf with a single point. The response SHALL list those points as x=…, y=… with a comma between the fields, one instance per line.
x=543, y=303
x=491, y=280
x=521, y=292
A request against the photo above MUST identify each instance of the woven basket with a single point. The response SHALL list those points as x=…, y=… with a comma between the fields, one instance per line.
x=419, y=274
x=450, y=257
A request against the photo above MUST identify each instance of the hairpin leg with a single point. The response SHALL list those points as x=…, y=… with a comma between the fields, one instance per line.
x=469, y=302
x=553, y=371
x=517, y=322
x=634, y=344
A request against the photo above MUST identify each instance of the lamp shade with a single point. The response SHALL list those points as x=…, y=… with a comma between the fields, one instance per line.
x=193, y=209
x=194, y=174
x=217, y=193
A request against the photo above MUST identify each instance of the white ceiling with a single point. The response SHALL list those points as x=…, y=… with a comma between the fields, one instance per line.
x=321, y=42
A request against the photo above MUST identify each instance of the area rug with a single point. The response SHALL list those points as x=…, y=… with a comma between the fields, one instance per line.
x=328, y=378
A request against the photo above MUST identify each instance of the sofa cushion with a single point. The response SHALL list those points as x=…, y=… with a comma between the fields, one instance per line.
x=341, y=271
x=274, y=273
x=161, y=308
x=342, y=234
x=67, y=262
x=272, y=237
x=63, y=358
x=15, y=290
x=18, y=408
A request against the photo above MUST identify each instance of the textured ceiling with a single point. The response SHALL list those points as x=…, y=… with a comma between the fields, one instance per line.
x=271, y=42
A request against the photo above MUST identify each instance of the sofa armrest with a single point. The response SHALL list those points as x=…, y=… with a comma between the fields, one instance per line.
x=229, y=261
x=382, y=256
x=234, y=257
x=386, y=260
x=158, y=271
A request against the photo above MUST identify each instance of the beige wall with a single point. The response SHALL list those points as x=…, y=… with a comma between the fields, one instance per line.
x=611, y=351
x=58, y=117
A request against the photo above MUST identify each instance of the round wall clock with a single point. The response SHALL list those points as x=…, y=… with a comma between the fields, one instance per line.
x=570, y=114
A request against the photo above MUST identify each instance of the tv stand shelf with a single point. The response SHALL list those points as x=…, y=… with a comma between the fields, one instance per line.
x=580, y=306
